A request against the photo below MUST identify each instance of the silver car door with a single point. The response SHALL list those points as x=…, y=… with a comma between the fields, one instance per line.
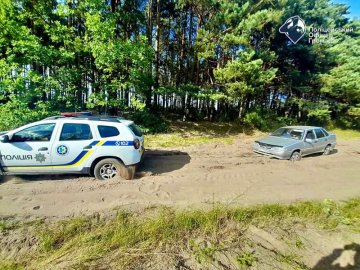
x=321, y=140
x=309, y=143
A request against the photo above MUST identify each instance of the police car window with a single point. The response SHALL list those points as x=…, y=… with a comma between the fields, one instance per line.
x=108, y=131
x=319, y=133
x=75, y=132
x=135, y=130
x=36, y=133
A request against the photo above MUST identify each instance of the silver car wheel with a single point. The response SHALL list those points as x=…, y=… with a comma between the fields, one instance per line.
x=327, y=150
x=108, y=171
x=296, y=156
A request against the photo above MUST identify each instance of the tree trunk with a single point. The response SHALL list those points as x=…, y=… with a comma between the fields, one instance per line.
x=157, y=52
x=241, y=109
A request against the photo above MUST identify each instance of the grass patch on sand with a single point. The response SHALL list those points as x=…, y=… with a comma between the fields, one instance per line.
x=181, y=140
x=130, y=239
x=193, y=133
x=346, y=134
x=6, y=225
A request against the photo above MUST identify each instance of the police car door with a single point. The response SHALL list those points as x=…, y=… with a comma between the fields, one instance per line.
x=28, y=149
x=73, y=146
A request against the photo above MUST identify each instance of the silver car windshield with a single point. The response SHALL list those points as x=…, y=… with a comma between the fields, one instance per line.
x=290, y=133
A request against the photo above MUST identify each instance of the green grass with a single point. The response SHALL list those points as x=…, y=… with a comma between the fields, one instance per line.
x=128, y=238
x=180, y=140
x=246, y=260
x=346, y=134
x=10, y=265
x=194, y=133
x=6, y=225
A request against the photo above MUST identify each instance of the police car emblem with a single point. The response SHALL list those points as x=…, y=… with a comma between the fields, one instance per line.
x=62, y=150
x=40, y=158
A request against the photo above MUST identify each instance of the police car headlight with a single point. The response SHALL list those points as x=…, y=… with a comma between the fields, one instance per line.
x=136, y=144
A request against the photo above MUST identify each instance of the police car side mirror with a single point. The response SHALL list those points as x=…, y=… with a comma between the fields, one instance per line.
x=5, y=139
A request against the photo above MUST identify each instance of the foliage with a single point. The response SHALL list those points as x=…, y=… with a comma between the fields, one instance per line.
x=148, y=122
x=319, y=117
x=266, y=120
x=245, y=75
x=186, y=57
x=16, y=113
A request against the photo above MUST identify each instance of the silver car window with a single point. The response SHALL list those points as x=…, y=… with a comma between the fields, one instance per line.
x=325, y=132
x=290, y=133
x=319, y=133
x=310, y=135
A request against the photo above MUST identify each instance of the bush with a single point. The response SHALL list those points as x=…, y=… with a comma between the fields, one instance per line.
x=16, y=113
x=254, y=120
x=347, y=122
x=266, y=120
x=319, y=117
x=148, y=122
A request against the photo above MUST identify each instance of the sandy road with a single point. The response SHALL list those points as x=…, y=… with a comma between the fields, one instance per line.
x=196, y=176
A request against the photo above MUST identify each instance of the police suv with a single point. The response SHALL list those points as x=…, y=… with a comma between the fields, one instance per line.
x=105, y=147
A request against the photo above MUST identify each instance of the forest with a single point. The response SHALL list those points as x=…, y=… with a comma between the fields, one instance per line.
x=212, y=60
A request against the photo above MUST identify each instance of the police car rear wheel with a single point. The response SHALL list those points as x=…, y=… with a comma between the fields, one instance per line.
x=108, y=168
x=111, y=168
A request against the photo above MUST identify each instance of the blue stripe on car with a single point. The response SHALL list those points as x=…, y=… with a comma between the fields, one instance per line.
x=83, y=153
x=118, y=143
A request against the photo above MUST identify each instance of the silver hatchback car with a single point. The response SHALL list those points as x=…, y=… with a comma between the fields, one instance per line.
x=293, y=142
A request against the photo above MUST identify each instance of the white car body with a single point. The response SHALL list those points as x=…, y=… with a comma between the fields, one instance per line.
x=69, y=145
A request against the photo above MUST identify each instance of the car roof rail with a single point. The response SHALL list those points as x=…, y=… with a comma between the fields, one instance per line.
x=55, y=117
x=105, y=118
x=100, y=118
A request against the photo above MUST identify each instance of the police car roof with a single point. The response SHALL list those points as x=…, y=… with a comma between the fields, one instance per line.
x=104, y=118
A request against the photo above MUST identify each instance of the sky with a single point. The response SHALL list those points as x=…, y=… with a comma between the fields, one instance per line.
x=354, y=7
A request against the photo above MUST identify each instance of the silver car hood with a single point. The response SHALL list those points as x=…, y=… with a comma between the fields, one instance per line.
x=278, y=141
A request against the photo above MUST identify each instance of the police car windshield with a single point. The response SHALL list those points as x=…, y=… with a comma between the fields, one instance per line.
x=289, y=133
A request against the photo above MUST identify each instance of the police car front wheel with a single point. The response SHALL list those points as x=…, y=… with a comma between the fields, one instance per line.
x=111, y=168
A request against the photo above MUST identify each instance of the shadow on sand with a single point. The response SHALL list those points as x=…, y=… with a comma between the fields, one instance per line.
x=162, y=161
x=154, y=162
x=331, y=261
